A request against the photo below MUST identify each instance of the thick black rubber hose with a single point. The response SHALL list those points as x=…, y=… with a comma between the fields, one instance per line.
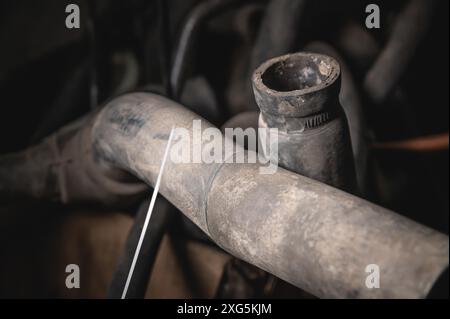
x=142, y=271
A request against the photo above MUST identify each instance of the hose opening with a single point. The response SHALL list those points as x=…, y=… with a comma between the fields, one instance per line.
x=302, y=71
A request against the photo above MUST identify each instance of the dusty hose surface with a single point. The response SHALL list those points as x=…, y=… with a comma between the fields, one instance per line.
x=298, y=94
x=312, y=235
x=351, y=103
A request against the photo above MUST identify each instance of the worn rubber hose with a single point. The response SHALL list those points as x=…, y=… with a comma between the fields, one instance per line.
x=309, y=234
x=351, y=103
x=298, y=94
x=312, y=235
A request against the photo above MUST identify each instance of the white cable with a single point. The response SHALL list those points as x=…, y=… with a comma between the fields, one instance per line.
x=149, y=214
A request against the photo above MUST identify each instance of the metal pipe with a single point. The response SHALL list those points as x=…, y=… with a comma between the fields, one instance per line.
x=312, y=235
x=298, y=94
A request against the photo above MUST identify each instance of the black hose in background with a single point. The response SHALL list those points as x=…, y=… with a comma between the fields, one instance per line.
x=160, y=217
x=185, y=44
x=408, y=31
x=138, y=285
x=279, y=30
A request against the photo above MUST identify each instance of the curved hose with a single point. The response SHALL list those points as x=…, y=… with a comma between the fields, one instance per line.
x=278, y=31
x=150, y=245
x=197, y=16
x=312, y=235
x=408, y=31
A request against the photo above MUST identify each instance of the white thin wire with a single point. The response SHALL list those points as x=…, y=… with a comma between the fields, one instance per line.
x=149, y=214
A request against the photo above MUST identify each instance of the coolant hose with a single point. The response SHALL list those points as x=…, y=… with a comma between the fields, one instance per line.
x=312, y=235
